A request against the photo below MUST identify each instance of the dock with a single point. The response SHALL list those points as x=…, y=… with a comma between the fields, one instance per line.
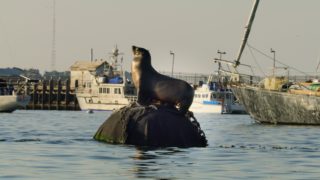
x=51, y=95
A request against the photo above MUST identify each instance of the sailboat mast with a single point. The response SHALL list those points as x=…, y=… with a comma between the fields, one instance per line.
x=247, y=31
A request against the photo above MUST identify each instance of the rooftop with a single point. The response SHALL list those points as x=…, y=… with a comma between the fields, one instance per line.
x=9, y=72
x=87, y=65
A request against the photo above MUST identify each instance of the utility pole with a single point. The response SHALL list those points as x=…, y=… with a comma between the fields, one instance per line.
x=274, y=61
x=172, y=53
x=53, y=50
x=91, y=54
x=220, y=57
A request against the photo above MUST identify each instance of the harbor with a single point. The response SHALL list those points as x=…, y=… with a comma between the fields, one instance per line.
x=159, y=90
x=94, y=93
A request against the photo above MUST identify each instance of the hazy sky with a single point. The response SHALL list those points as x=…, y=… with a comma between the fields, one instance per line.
x=194, y=30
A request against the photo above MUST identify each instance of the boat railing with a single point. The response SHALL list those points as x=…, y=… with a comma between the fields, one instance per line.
x=131, y=98
x=6, y=91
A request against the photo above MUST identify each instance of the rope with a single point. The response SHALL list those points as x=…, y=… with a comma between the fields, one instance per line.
x=255, y=60
x=269, y=57
x=194, y=121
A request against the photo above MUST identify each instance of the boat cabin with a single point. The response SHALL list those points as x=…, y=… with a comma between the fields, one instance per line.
x=83, y=72
x=205, y=94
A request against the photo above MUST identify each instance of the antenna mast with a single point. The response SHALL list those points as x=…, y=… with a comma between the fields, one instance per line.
x=53, y=50
x=114, y=57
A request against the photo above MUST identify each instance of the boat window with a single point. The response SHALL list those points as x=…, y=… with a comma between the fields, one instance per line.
x=100, y=90
x=203, y=95
x=117, y=91
x=104, y=90
x=108, y=90
x=76, y=83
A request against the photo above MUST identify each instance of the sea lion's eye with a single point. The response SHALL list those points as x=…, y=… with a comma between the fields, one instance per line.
x=136, y=53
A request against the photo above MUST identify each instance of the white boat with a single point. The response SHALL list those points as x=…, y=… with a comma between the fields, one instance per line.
x=103, y=95
x=206, y=100
x=11, y=102
x=215, y=100
x=109, y=90
x=9, y=99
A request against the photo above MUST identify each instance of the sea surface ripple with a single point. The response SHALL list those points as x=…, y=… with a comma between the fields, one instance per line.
x=59, y=145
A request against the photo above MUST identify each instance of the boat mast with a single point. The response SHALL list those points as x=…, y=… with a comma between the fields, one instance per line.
x=114, y=58
x=247, y=31
x=317, y=66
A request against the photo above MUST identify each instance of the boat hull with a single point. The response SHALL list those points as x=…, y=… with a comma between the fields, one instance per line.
x=88, y=102
x=9, y=103
x=205, y=108
x=235, y=108
x=279, y=107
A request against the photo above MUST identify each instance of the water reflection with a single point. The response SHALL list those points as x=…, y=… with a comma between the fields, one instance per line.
x=150, y=162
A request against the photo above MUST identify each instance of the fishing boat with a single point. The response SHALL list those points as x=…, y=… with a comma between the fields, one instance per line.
x=107, y=90
x=275, y=100
x=211, y=98
x=10, y=100
x=206, y=100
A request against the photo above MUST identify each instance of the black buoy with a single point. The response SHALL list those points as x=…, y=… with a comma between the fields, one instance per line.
x=156, y=126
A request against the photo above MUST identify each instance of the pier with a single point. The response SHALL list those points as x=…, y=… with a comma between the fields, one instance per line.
x=52, y=95
x=48, y=94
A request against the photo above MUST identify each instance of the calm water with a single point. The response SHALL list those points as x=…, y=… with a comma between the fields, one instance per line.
x=59, y=145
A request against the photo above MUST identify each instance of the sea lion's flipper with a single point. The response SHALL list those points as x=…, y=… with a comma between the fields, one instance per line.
x=185, y=104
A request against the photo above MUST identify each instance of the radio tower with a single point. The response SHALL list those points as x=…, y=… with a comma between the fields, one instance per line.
x=53, y=50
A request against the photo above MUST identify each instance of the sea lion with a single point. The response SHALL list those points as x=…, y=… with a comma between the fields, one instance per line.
x=153, y=87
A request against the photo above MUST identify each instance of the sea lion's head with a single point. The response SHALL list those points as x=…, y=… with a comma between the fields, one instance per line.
x=141, y=55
